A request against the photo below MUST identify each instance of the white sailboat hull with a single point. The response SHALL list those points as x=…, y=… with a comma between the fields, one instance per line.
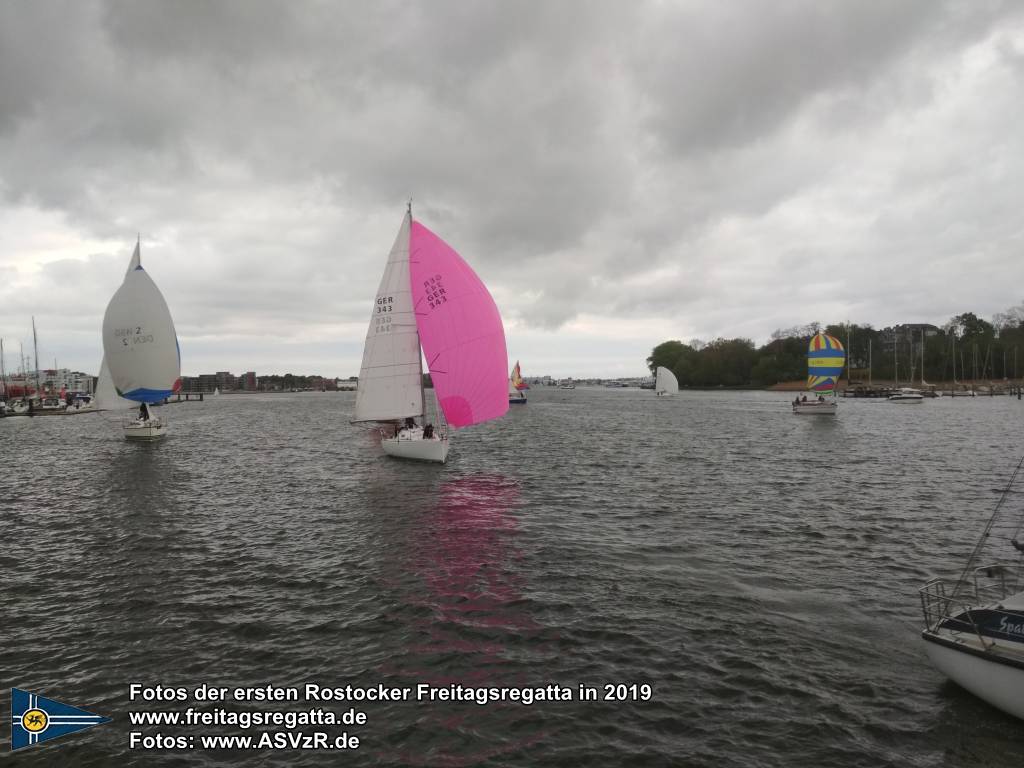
x=907, y=395
x=999, y=682
x=417, y=448
x=152, y=429
x=816, y=408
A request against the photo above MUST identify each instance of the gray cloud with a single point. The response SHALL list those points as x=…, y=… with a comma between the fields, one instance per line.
x=685, y=169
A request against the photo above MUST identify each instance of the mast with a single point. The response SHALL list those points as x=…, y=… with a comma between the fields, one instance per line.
x=922, y=357
x=869, y=362
x=849, y=354
x=952, y=346
x=35, y=343
x=3, y=371
x=895, y=362
x=419, y=358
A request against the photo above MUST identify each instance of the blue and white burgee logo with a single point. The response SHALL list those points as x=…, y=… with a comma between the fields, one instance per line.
x=37, y=718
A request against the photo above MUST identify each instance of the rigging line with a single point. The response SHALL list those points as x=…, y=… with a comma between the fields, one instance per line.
x=988, y=528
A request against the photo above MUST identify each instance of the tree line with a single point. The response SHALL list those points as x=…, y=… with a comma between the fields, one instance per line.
x=964, y=349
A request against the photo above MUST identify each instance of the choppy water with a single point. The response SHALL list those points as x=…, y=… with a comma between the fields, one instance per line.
x=757, y=568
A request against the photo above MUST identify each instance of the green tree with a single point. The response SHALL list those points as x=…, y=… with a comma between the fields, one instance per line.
x=667, y=354
x=970, y=327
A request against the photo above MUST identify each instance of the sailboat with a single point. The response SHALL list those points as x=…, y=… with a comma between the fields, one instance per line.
x=928, y=390
x=665, y=382
x=516, y=385
x=429, y=298
x=974, y=627
x=900, y=394
x=140, y=348
x=825, y=358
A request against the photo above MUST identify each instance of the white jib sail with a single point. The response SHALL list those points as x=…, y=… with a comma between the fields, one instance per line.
x=139, y=342
x=665, y=382
x=105, y=398
x=390, y=379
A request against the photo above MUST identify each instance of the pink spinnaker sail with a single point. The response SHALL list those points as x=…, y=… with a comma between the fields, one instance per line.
x=460, y=331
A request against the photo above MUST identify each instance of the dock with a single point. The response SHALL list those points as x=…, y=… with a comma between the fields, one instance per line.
x=954, y=389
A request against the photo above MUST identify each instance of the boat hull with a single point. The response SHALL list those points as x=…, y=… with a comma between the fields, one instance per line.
x=995, y=675
x=154, y=429
x=417, y=449
x=815, y=408
x=517, y=401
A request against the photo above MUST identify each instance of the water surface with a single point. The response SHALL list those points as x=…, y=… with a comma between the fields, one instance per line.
x=759, y=569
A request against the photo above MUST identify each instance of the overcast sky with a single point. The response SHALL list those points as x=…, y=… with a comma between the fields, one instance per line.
x=618, y=173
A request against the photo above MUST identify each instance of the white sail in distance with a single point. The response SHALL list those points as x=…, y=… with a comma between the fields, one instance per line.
x=665, y=382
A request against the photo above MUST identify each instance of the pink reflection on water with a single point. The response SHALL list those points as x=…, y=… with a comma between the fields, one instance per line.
x=465, y=558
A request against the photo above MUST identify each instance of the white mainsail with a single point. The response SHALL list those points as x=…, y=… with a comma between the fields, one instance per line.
x=140, y=345
x=665, y=382
x=391, y=376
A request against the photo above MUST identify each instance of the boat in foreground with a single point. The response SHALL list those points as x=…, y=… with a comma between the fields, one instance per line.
x=814, y=407
x=140, y=351
x=145, y=426
x=417, y=443
x=825, y=358
x=974, y=627
x=434, y=301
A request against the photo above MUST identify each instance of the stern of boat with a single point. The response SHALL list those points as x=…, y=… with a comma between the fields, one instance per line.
x=417, y=448
x=974, y=633
x=815, y=408
x=151, y=429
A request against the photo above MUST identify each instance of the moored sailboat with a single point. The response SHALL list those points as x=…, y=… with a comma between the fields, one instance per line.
x=140, y=349
x=429, y=297
x=906, y=395
x=825, y=358
x=974, y=627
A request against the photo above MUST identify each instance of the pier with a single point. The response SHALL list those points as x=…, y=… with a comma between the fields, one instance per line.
x=186, y=397
x=946, y=389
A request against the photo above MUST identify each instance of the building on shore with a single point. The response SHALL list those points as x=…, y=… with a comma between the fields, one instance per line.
x=905, y=334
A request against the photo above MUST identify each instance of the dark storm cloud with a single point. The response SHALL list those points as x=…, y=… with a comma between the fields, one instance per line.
x=594, y=160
